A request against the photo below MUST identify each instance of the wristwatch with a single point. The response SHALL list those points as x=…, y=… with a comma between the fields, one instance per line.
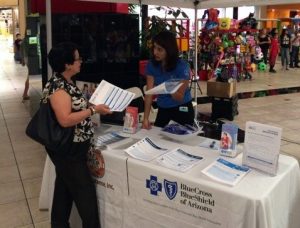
x=93, y=110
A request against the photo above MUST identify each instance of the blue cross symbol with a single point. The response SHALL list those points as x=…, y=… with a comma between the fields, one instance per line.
x=153, y=185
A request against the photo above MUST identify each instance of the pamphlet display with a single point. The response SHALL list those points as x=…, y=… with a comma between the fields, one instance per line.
x=131, y=120
x=262, y=147
x=168, y=87
x=228, y=142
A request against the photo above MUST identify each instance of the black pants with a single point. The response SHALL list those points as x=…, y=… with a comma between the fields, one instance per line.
x=265, y=54
x=183, y=114
x=73, y=184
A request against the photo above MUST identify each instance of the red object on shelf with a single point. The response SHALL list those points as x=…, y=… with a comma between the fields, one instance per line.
x=75, y=6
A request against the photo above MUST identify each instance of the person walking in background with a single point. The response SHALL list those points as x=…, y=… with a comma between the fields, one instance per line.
x=24, y=62
x=285, y=45
x=264, y=43
x=17, y=48
x=166, y=65
x=73, y=180
x=295, y=43
x=274, y=51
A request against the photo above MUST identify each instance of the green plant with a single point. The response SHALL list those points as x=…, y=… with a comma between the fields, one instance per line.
x=155, y=24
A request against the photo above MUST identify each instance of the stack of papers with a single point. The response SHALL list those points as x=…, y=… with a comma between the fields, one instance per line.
x=226, y=172
x=108, y=138
x=114, y=97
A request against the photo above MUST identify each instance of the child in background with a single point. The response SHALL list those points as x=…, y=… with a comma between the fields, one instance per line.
x=274, y=50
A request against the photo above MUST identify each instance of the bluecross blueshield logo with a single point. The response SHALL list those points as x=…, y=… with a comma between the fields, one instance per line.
x=170, y=189
x=153, y=185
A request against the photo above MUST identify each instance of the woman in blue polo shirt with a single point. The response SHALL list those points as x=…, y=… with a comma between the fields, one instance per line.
x=166, y=65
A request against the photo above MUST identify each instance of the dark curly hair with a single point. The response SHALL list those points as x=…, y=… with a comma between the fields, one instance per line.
x=167, y=40
x=61, y=54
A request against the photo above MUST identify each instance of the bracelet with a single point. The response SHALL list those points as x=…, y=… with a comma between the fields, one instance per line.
x=93, y=111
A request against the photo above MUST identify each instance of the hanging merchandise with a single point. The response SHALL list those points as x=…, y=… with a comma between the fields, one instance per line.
x=212, y=18
x=224, y=23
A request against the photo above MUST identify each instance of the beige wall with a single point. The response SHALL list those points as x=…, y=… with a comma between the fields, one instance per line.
x=5, y=3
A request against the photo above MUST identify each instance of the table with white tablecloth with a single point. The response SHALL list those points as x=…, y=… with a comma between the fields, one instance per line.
x=191, y=199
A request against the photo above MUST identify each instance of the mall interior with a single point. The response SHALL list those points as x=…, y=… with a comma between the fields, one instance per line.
x=267, y=98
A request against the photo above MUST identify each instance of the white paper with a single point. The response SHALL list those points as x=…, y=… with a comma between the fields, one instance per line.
x=116, y=98
x=226, y=172
x=145, y=150
x=168, y=87
x=178, y=160
x=262, y=147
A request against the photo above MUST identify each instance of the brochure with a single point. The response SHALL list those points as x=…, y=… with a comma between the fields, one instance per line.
x=178, y=160
x=168, y=87
x=145, y=150
x=228, y=140
x=262, y=147
x=226, y=172
x=116, y=98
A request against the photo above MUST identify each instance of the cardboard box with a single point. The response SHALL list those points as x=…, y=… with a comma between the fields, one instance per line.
x=221, y=89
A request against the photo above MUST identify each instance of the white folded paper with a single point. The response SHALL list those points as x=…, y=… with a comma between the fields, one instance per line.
x=168, y=87
x=116, y=98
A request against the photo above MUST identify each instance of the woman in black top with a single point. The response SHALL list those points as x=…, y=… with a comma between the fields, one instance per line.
x=73, y=181
x=264, y=43
x=285, y=45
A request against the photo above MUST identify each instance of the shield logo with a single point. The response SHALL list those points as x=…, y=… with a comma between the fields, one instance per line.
x=170, y=189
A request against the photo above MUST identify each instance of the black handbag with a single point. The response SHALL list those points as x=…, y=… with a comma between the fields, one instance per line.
x=45, y=129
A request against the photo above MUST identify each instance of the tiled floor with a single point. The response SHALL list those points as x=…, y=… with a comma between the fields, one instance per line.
x=22, y=160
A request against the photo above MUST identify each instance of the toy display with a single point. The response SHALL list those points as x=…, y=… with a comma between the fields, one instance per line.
x=212, y=18
x=230, y=49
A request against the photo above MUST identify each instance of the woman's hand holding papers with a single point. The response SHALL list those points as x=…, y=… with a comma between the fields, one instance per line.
x=102, y=109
